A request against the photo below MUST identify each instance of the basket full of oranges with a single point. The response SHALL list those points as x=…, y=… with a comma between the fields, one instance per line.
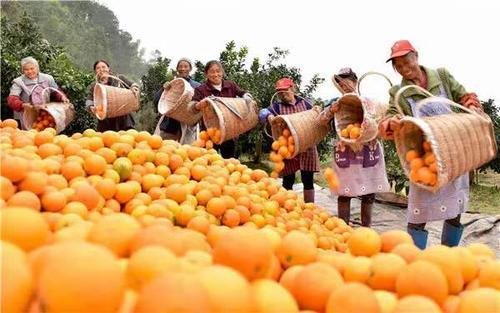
x=55, y=115
x=435, y=150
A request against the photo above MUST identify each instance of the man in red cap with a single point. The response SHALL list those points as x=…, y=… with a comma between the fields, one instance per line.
x=451, y=200
x=308, y=161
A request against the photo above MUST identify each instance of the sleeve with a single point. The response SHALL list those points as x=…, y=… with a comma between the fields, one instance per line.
x=157, y=97
x=455, y=90
x=52, y=82
x=15, y=90
x=237, y=90
x=392, y=110
x=198, y=95
x=89, y=101
x=15, y=103
x=127, y=81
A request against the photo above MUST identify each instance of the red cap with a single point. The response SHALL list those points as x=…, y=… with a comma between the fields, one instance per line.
x=284, y=83
x=400, y=48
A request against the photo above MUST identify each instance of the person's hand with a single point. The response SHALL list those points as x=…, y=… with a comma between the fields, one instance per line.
x=135, y=90
x=201, y=105
x=92, y=108
x=470, y=100
x=27, y=105
x=65, y=99
x=270, y=118
x=387, y=127
x=334, y=107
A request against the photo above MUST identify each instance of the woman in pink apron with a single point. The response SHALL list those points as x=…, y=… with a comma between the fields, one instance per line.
x=451, y=200
x=30, y=89
x=360, y=169
x=308, y=161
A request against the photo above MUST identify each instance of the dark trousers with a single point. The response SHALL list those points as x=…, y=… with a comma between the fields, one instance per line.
x=227, y=149
x=307, y=180
x=421, y=226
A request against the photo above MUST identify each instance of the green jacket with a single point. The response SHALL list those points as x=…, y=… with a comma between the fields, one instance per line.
x=453, y=89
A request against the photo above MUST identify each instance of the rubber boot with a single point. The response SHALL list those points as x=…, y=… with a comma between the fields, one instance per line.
x=309, y=195
x=419, y=237
x=451, y=234
x=366, y=213
x=344, y=209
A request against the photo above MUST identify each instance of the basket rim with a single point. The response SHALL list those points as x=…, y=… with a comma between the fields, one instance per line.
x=104, y=94
x=292, y=130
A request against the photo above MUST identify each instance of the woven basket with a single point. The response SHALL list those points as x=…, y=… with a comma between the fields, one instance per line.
x=62, y=113
x=304, y=126
x=232, y=116
x=114, y=100
x=354, y=108
x=175, y=99
x=461, y=142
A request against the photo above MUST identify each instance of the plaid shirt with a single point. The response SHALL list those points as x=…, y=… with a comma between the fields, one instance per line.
x=305, y=161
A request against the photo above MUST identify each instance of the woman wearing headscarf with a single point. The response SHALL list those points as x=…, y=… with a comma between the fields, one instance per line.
x=171, y=128
x=103, y=74
x=451, y=200
x=29, y=89
x=216, y=85
x=360, y=169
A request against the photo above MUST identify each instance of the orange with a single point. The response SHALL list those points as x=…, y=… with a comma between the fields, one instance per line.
x=359, y=269
x=176, y=292
x=427, y=146
x=216, y=206
x=24, y=227
x=385, y=269
x=9, y=123
x=149, y=263
x=410, y=304
x=72, y=169
x=352, y=297
x=175, y=162
x=451, y=304
x=200, y=224
x=203, y=196
x=7, y=189
x=269, y=296
x=234, y=246
x=25, y=199
x=215, y=233
x=449, y=262
x=386, y=301
x=155, y=141
x=106, y=188
x=54, y=201
x=407, y=251
x=411, y=155
x=355, y=132
x=489, y=275
x=422, y=278
x=296, y=248
x=215, y=279
x=34, y=182
x=314, y=284
x=17, y=280
x=115, y=231
x=14, y=168
x=48, y=149
x=82, y=268
x=287, y=279
x=198, y=172
x=426, y=176
x=364, y=242
x=43, y=137
x=176, y=192
x=468, y=264
x=429, y=158
x=94, y=164
x=88, y=195
x=416, y=163
x=392, y=238
x=124, y=192
x=231, y=218
x=480, y=249
x=479, y=301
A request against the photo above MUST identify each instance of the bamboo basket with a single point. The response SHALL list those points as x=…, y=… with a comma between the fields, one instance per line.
x=304, y=126
x=115, y=101
x=62, y=113
x=354, y=108
x=461, y=142
x=232, y=116
x=175, y=99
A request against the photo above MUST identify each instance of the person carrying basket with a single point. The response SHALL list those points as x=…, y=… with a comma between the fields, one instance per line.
x=116, y=123
x=451, y=200
x=308, y=161
x=360, y=168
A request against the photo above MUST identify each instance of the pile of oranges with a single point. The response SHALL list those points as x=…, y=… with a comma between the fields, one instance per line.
x=128, y=222
x=283, y=148
x=352, y=131
x=43, y=120
x=423, y=167
x=208, y=138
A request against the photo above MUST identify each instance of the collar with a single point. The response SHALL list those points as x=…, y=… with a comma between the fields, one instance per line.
x=225, y=84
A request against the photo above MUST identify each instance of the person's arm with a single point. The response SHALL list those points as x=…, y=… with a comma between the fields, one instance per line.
x=89, y=101
x=14, y=100
x=457, y=91
x=237, y=90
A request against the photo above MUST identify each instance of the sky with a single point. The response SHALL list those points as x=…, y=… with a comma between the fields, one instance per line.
x=324, y=36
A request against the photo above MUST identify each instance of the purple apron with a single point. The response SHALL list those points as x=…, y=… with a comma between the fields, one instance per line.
x=361, y=172
x=449, y=201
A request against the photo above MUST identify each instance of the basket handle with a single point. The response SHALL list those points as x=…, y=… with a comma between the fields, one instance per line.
x=403, y=89
x=453, y=104
x=228, y=106
x=53, y=89
x=117, y=78
x=368, y=74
